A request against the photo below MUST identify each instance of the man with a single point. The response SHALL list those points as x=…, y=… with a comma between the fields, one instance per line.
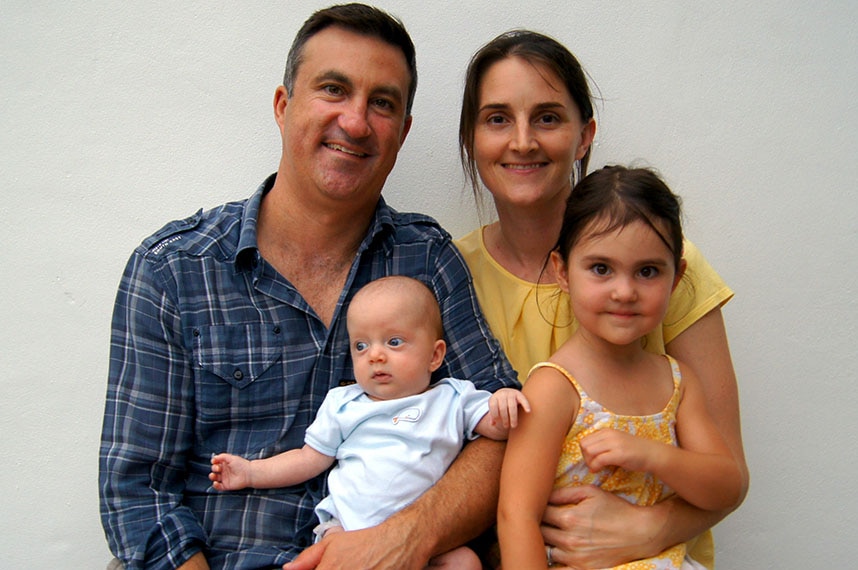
x=229, y=329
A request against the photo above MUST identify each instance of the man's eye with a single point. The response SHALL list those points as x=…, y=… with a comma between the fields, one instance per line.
x=333, y=90
x=383, y=104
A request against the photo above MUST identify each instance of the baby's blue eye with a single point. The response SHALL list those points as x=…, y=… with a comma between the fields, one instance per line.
x=360, y=346
x=395, y=342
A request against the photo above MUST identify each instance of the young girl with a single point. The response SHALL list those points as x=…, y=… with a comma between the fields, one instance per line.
x=605, y=411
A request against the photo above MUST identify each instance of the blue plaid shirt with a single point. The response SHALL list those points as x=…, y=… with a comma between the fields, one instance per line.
x=212, y=350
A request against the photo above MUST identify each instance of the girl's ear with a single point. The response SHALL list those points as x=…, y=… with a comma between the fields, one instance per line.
x=680, y=271
x=559, y=265
x=438, y=355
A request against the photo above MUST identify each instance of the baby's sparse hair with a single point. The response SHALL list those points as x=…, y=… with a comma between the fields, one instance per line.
x=420, y=295
x=616, y=196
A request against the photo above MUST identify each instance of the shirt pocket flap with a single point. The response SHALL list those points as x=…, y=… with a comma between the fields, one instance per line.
x=238, y=354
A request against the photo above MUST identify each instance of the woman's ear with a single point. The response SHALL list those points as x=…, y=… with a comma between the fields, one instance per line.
x=588, y=133
x=559, y=265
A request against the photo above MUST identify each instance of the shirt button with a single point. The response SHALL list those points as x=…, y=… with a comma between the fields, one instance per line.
x=276, y=330
x=238, y=374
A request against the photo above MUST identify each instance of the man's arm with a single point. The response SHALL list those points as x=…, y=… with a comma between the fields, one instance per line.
x=147, y=429
x=455, y=510
x=463, y=503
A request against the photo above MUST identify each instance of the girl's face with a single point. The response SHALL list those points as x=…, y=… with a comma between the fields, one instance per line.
x=619, y=283
x=528, y=135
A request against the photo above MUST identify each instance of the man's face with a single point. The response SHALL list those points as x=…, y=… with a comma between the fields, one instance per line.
x=344, y=122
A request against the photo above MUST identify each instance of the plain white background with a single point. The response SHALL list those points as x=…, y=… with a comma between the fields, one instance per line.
x=117, y=117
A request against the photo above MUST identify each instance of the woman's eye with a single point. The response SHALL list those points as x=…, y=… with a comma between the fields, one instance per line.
x=496, y=120
x=548, y=119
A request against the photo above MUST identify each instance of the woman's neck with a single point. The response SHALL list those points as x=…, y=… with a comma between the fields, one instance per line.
x=520, y=243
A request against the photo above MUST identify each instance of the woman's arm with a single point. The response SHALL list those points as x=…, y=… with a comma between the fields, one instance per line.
x=592, y=528
x=529, y=468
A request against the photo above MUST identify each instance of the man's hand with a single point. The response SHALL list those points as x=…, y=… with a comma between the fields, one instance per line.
x=376, y=548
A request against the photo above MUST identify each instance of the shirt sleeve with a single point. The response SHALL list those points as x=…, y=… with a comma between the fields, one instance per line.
x=148, y=428
x=472, y=352
x=474, y=405
x=325, y=434
x=699, y=291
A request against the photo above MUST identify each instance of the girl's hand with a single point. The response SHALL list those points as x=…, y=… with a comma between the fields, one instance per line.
x=613, y=448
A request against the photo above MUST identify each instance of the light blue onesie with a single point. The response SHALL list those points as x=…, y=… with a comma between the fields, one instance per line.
x=390, y=452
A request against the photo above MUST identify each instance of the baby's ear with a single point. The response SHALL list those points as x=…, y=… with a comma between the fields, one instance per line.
x=438, y=355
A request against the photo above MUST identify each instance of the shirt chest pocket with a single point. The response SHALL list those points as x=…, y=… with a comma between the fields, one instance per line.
x=237, y=354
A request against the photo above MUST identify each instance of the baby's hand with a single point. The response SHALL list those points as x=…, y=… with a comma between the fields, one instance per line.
x=230, y=472
x=503, y=406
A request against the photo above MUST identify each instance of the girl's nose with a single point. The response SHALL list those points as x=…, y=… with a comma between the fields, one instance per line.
x=624, y=290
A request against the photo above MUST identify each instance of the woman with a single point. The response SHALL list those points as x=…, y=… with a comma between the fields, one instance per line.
x=525, y=132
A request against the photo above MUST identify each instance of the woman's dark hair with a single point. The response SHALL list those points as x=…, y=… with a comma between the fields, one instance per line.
x=535, y=48
x=361, y=19
x=617, y=196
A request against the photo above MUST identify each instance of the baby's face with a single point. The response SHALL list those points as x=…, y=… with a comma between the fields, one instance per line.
x=394, y=350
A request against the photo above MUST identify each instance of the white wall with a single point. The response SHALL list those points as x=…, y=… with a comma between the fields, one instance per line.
x=118, y=117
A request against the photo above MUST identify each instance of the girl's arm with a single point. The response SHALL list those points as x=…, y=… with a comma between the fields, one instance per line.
x=702, y=470
x=592, y=528
x=230, y=472
x=529, y=467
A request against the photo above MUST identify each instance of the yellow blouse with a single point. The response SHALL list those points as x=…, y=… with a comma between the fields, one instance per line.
x=532, y=320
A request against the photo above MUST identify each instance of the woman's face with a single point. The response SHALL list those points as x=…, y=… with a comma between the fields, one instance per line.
x=528, y=135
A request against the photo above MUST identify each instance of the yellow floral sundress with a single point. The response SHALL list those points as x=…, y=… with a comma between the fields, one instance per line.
x=636, y=487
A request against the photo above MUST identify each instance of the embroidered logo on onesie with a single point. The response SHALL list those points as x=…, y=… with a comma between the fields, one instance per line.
x=407, y=415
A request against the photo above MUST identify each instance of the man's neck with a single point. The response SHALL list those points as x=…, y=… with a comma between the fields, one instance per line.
x=310, y=246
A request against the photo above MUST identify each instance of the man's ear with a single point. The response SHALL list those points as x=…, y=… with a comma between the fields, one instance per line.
x=406, y=127
x=281, y=99
x=560, y=271
x=438, y=355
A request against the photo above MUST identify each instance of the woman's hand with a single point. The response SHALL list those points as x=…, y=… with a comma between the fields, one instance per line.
x=591, y=528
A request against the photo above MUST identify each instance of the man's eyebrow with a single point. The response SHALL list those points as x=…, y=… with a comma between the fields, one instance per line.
x=334, y=75
x=390, y=90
